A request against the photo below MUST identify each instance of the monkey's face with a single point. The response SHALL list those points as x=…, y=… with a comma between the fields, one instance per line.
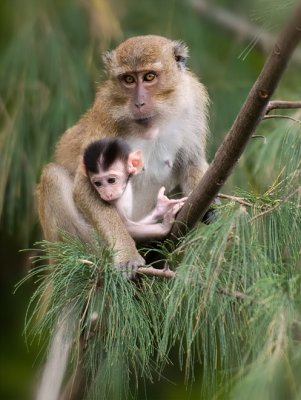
x=139, y=88
x=110, y=184
x=145, y=74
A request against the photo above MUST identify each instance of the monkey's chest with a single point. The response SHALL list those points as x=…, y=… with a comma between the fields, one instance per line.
x=158, y=171
x=158, y=156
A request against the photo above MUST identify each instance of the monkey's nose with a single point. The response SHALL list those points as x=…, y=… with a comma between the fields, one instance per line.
x=139, y=105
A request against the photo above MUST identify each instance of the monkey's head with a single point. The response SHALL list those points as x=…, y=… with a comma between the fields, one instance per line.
x=109, y=163
x=144, y=74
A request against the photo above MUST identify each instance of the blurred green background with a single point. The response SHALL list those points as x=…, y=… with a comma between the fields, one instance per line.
x=50, y=64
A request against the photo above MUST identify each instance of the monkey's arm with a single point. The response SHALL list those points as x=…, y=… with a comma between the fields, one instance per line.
x=156, y=231
x=143, y=232
x=105, y=219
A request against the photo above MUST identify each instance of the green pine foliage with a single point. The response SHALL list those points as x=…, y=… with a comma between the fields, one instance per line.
x=233, y=306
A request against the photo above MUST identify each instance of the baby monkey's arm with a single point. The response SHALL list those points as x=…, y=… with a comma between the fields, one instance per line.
x=163, y=206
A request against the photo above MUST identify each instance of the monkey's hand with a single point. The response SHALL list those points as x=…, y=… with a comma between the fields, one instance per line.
x=129, y=267
x=164, y=205
x=169, y=216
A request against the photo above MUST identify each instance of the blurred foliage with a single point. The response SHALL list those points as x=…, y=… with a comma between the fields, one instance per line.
x=50, y=63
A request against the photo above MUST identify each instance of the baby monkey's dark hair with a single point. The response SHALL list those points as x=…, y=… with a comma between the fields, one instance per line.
x=107, y=151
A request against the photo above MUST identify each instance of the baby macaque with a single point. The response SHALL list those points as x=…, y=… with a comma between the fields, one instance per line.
x=109, y=164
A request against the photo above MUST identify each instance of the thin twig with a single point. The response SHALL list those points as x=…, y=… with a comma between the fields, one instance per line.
x=275, y=206
x=261, y=137
x=236, y=294
x=150, y=271
x=239, y=200
x=168, y=273
x=282, y=104
x=282, y=116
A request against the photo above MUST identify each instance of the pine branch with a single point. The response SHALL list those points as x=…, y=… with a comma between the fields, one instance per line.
x=242, y=129
x=271, y=209
x=167, y=273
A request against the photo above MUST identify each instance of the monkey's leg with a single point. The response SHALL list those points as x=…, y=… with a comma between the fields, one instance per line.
x=56, y=208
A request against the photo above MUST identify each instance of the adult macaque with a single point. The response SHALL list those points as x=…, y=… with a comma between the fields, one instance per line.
x=110, y=165
x=150, y=99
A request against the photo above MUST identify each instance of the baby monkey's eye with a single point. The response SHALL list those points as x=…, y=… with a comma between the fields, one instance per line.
x=97, y=183
x=128, y=79
x=112, y=180
x=150, y=76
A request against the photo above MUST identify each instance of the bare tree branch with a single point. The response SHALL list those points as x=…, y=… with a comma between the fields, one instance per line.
x=239, y=200
x=282, y=104
x=275, y=116
x=242, y=129
x=162, y=273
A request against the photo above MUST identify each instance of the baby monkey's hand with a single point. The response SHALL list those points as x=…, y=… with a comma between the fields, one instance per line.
x=167, y=208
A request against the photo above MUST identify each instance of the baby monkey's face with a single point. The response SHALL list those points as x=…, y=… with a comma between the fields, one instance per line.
x=111, y=184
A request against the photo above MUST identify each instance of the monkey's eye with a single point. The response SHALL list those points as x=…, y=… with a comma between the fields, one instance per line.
x=97, y=183
x=150, y=76
x=112, y=180
x=129, y=79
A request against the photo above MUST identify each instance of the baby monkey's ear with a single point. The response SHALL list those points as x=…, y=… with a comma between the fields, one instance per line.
x=83, y=167
x=135, y=162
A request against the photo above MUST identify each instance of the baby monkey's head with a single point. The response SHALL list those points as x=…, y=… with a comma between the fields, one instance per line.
x=109, y=163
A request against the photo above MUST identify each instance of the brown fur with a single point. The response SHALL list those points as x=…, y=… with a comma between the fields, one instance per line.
x=179, y=102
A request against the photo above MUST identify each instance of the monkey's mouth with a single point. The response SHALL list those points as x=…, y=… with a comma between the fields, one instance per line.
x=144, y=121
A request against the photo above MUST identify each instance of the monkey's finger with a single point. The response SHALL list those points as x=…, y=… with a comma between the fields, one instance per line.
x=177, y=201
x=161, y=191
x=129, y=268
x=177, y=207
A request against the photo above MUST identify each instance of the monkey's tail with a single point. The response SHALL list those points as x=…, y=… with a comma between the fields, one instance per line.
x=56, y=365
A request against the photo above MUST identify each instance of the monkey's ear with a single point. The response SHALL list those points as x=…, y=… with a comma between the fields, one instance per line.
x=83, y=167
x=135, y=162
x=181, y=53
x=107, y=58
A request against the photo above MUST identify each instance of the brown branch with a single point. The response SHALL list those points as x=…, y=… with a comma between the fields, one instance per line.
x=281, y=117
x=239, y=200
x=162, y=273
x=242, y=129
x=282, y=104
x=261, y=137
x=236, y=294
x=167, y=273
